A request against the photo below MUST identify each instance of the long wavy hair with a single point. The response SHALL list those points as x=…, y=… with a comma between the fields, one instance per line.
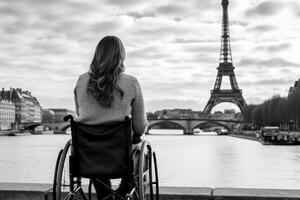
x=105, y=70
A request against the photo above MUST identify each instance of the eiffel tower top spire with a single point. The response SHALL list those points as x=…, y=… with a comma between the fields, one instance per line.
x=225, y=51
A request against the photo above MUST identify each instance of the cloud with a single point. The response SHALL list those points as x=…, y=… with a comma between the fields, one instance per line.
x=274, y=47
x=267, y=82
x=172, y=48
x=174, y=9
x=6, y=10
x=239, y=22
x=139, y=15
x=207, y=47
x=122, y=3
x=48, y=46
x=272, y=62
x=185, y=41
x=107, y=25
x=265, y=8
x=261, y=28
x=206, y=5
x=150, y=52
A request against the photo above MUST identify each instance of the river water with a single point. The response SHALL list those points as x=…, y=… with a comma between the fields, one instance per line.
x=204, y=160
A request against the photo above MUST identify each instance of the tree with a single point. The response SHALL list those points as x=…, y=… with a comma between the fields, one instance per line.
x=247, y=113
x=294, y=107
x=257, y=115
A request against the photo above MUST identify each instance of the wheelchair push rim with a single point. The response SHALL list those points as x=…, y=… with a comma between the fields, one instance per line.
x=147, y=174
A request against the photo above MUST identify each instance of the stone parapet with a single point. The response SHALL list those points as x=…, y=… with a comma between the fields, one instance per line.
x=27, y=191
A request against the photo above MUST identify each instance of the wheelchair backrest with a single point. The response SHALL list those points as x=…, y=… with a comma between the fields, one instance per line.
x=101, y=150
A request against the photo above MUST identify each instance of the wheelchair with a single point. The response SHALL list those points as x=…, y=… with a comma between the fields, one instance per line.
x=104, y=151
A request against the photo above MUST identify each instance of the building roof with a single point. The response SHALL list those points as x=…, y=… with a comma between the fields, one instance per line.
x=17, y=95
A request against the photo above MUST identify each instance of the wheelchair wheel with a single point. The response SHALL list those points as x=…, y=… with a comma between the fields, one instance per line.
x=63, y=182
x=148, y=175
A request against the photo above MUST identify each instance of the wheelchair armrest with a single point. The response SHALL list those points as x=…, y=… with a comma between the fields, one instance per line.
x=68, y=117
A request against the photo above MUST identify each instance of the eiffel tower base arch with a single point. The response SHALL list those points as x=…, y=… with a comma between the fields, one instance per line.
x=225, y=97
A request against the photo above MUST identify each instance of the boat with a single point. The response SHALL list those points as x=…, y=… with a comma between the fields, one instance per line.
x=196, y=130
x=270, y=135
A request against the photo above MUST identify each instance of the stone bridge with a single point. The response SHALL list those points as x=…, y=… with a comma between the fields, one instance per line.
x=188, y=125
x=58, y=127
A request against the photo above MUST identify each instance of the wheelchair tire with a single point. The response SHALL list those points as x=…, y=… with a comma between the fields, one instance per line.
x=148, y=186
x=55, y=174
x=62, y=179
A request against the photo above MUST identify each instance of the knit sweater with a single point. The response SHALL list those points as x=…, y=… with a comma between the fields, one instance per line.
x=89, y=110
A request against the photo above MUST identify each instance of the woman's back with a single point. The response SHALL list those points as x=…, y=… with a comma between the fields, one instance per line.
x=90, y=111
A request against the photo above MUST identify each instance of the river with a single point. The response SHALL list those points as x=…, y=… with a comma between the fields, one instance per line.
x=203, y=160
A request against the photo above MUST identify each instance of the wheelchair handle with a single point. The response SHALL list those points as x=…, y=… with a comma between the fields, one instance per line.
x=68, y=117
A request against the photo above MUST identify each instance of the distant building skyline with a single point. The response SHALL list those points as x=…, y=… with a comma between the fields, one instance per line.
x=295, y=88
x=17, y=107
x=178, y=113
x=54, y=115
x=172, y=48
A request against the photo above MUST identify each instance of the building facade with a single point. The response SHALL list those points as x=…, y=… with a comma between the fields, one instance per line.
x=37, y=111
x=22, y=105
x=56, y=115
x=7, y=114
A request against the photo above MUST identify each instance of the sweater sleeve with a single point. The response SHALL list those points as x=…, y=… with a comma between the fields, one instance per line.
x=76, y=103
x=139, y=118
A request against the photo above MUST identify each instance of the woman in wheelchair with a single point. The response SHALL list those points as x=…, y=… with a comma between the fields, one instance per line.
x=104, y=97
x=106, y=94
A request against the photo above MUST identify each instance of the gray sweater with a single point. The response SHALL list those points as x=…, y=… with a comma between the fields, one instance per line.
x=89, y=111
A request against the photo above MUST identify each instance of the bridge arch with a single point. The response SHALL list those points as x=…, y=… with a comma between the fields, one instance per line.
x=237, y=102
x=167, y=122
x=222, y=106
x=31, y=126
x=212, y=122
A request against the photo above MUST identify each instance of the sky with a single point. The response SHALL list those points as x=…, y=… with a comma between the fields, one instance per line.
x=173, y=49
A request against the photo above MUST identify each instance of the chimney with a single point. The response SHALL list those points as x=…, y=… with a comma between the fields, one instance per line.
x=10, y=93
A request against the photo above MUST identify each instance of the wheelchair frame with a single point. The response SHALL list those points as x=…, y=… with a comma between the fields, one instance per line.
x=145, y=184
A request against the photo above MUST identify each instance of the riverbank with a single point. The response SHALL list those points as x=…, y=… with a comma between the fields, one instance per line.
x=4, y=132
x=244, y=136
x=283, y=138
x=19, y=133
x=27, y=191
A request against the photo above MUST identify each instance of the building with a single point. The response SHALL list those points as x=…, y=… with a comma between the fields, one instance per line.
x=7, y=111
x=294, y=94
x=29, y=110
x=47, y=116
x=177, y=113
x=296, y=87
x=37, y=111
x=26, y=107
x=57, y=114
x=229, y=111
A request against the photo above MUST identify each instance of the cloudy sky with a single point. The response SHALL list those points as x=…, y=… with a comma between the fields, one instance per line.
x=173, y=49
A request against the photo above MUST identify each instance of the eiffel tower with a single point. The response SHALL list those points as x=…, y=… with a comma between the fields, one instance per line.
x=233, y=95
